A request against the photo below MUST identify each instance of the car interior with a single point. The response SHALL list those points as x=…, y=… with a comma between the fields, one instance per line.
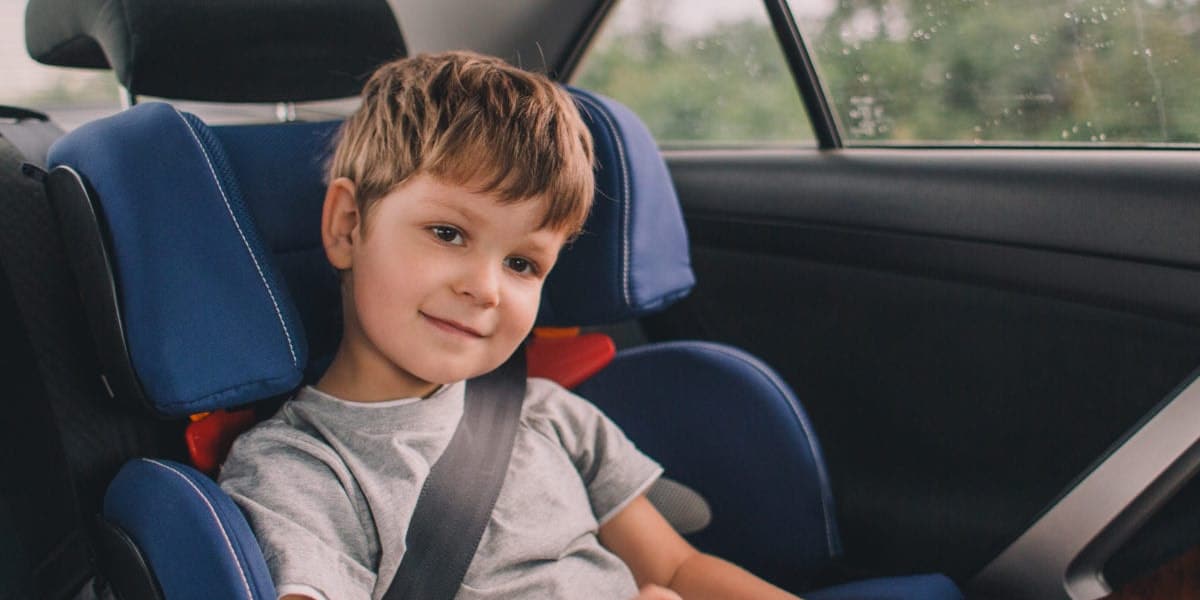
x=869, y=372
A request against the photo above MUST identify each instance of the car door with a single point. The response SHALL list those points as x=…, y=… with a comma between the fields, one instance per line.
x=979, y=269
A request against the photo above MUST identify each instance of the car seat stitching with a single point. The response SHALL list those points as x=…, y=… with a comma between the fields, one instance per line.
x=626, y=203
x=782, y=388
x=213, y=512
x=257, y=267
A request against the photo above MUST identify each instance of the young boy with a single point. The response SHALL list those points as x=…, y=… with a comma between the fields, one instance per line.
x=451, y=192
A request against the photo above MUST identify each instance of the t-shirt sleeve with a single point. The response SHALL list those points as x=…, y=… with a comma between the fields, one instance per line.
x=299, y=509
x=612, y=468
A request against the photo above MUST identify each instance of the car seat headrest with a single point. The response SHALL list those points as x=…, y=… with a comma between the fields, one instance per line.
x=187, y=240
x=219, y=50
x=632, y=258
x=201, y=310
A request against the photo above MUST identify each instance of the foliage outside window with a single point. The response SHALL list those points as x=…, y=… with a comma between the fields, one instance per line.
x=988, y=71
x=698, y=72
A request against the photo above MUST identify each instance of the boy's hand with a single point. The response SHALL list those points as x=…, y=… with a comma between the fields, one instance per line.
x=655, y=592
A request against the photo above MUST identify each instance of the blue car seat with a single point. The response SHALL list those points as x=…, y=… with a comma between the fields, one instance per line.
x=222, y=298
x=199, y=252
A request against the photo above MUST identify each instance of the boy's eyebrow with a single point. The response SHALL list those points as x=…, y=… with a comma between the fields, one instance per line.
x=458, y=207
x=537, y=247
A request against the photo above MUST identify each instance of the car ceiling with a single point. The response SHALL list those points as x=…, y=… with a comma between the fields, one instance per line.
x=531, y=33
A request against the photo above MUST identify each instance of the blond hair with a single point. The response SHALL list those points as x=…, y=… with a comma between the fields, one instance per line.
x=473, y=120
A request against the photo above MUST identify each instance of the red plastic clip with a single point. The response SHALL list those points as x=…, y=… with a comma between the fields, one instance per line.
x=566, y=357
x=209, y=438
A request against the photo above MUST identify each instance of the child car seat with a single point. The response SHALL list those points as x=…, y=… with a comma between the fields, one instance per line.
x=201, y=240
x=202, y=258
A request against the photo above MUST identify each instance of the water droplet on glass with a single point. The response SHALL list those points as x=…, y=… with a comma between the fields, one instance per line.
x=1146, y=52
x=1065, y=134
x=1094, y=138
x=1103, y=137
x=1016, y=47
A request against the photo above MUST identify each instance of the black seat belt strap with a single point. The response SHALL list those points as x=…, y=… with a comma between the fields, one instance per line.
x=456, y=502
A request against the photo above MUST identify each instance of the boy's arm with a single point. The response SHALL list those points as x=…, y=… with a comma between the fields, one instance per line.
x=657, y=554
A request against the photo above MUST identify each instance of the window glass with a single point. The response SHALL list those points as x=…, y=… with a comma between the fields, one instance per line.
x=1100, y=72
x=698, y=72
x=69, y=96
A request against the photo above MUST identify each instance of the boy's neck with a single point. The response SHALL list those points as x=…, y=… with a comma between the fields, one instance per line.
x=350, y=381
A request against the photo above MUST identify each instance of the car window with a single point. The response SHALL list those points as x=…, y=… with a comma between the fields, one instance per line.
x=1092, y=72
x=698, y=72
x=69, y=96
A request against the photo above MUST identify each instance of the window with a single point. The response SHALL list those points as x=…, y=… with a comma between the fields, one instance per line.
x=69, y=96
x=1092, y=72
x=698, y=72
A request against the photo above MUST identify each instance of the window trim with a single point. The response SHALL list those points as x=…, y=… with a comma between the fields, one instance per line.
x=821, y=115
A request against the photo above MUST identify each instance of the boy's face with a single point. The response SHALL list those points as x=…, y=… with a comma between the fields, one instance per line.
x=444, y=284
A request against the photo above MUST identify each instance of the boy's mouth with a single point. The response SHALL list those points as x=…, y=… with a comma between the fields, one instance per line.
x=452, y=326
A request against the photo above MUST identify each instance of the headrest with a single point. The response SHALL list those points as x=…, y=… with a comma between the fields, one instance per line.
x=201, y=232
x=632, y=258
x=219, y=50
x=199, y=306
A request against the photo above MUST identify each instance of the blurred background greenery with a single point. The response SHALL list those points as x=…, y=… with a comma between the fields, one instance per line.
x=1106, y=72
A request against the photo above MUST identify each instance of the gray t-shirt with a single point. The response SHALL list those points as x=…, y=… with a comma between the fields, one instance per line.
x=329, y=487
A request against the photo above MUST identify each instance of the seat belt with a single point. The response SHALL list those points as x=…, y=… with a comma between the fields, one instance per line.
x=456, y=502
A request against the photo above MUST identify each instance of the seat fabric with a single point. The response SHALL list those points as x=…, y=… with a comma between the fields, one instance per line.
x=723, y=423
x=190, y=531
x=915, y=587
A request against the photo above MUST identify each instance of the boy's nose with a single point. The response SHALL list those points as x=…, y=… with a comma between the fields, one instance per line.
x=481, y=282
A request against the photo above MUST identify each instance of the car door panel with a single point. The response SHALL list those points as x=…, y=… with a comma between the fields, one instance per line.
x=970, y=330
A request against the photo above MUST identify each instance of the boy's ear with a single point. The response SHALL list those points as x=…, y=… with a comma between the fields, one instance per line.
x=339, y=223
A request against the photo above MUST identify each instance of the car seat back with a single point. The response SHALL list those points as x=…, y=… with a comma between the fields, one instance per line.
x=197, y=271
x=60, y=446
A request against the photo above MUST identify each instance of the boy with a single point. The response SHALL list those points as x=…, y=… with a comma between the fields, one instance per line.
x=452, y=190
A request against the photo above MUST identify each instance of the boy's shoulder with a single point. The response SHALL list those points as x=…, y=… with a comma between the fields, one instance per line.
x=286, y=433
x=551, y=407
x=545, y=394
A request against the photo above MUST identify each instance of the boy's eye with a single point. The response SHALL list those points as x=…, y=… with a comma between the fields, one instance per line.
x=522, y=265
x=447, y=234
